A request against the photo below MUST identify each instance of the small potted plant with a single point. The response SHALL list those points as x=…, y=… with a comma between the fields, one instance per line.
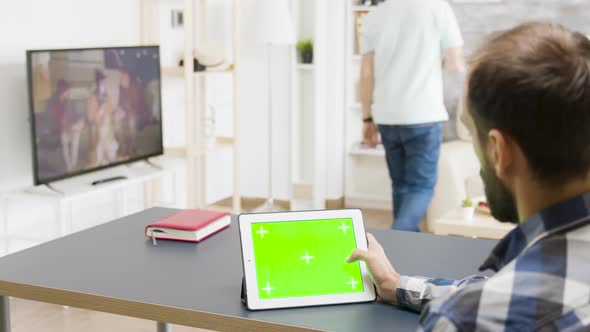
x=305, y=49
x=468, y=209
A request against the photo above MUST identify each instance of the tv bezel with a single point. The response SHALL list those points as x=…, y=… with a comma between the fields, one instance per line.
x=37, y=179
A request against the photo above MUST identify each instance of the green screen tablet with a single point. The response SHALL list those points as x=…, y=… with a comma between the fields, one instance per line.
x=299, y=258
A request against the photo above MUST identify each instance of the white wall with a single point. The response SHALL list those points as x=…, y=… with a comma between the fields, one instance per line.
x=28, y=24
x=336, y=106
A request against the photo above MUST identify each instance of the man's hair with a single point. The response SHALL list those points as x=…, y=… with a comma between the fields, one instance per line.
x=533, y=84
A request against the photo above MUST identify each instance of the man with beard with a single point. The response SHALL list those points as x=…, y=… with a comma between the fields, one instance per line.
x=527, y=105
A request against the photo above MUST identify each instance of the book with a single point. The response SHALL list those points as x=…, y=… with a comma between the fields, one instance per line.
x=188, y=225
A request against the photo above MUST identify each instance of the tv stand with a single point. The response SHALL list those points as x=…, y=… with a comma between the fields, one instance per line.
x=74, y=204
x=52, y=188
x=114, y=178
x=154, y=165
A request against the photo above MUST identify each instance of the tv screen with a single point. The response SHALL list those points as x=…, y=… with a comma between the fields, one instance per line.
x=93, y=108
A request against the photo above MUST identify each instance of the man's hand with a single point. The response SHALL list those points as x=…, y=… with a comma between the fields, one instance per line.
x=370, y=134
x=382, y=272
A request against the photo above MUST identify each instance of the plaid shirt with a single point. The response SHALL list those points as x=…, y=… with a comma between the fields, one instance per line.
x=542, y=280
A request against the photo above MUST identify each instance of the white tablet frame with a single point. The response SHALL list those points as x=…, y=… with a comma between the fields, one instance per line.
x=255, y=303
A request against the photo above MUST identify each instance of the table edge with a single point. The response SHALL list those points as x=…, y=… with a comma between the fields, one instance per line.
x=149, y=311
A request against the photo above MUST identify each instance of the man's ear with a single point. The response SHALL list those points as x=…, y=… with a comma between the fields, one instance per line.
x=500, y=150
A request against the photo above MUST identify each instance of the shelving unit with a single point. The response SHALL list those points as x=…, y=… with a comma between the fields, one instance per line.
x=366, y=182
x=305, y=66
x=171, y=72
x=195, y=150
x=358, y=150
x=356, y=8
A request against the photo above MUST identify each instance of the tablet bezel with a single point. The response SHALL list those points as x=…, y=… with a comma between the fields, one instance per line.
x=255, y=303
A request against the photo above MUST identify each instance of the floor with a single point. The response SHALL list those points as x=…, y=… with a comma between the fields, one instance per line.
x=373, y=218
x=377, y=218
x=29, y=316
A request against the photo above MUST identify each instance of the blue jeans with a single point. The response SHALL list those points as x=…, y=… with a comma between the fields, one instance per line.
x=412, y=154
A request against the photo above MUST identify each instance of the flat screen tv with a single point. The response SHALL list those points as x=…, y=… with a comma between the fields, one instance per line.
x=93, y=108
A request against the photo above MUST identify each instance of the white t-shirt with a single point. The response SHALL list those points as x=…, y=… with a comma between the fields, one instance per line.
x=409, y=38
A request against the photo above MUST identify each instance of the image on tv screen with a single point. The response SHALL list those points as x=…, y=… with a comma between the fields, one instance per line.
x=94, y=108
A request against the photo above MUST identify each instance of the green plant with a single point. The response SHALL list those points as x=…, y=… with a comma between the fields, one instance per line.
x=467, y=203
x=305, y=46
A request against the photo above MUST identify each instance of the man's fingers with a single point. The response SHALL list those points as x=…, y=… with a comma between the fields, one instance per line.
x=357, y=255
x=363, y=255
x=373, y=244
x=372, y=241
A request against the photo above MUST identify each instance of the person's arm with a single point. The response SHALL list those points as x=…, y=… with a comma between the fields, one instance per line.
x=415, y=292
x=367, y=84
x=451, y=41
x=436, y=322
x=454, y=60
x=409, y=292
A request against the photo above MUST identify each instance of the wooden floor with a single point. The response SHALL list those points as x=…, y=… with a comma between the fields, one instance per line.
x=29, y=316
x=373, y=218
x=377, y=218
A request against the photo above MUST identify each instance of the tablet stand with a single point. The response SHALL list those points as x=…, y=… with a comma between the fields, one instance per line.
x=244, y=295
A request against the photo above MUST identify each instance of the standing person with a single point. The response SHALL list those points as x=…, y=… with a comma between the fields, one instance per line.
x=66, y=123
x=131, y=103
x=404, y=44
x=100, y=115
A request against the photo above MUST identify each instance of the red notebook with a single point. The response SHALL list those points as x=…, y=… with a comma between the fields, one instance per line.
x=189, y=225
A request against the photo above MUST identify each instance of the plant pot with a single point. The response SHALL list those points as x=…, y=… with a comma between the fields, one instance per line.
x=468, y=213
x=307, y=58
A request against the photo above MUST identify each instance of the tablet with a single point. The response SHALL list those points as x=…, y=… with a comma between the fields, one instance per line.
x=295, y=259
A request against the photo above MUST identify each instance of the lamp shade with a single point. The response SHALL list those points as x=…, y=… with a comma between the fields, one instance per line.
x=273, y=23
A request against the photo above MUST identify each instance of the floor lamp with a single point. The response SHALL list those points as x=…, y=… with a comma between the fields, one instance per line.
x=274, y=27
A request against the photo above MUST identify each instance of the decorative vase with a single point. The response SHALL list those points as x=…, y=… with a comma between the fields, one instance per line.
x=468, y=213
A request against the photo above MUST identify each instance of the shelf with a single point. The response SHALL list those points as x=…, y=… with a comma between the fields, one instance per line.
x=196, y=19
x=179, y=71
x=305, y=66
x=81, y=186
x=222, y=140
x=175, y=152
x=362, y=8
x=360, y=150
x=220, y=143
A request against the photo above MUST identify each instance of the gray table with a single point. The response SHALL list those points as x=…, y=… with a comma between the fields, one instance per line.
x=114, y=268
